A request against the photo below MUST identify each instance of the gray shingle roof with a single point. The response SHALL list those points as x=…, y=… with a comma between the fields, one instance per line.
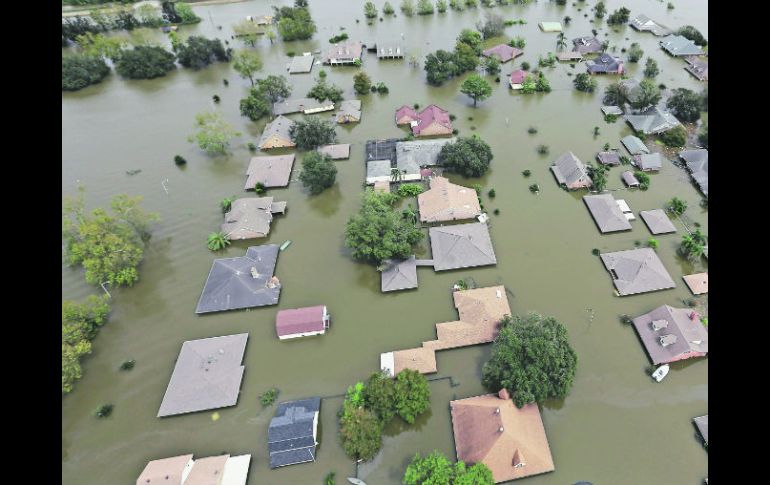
x=604, y=63
x=231, y=285
x=698, y=163
x=411, y=155
x=569, y=170
x=461, y=246
x=349, y=109
x=682, y=333
x=629, y=178
x=677, y=45
x=337, y=152
x=587, y=45
x=649, y=161
x=399, y=274
x=606, y=213
x=612, y=110
x=300, y=64
x=250, y=217
x=645, y=24
x=653, y=120
x=702, y=423
x=280, y=127
x=377, y=169
x=657, y=221
x=634, y=145
x=637, y=271
x=291, y=434
x=207, y=375
x=608, y=158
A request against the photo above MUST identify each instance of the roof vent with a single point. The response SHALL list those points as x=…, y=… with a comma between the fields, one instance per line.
x=658, y=324
x=501, y=429
x=667, y=340
x=497, y=410
x=254, y=273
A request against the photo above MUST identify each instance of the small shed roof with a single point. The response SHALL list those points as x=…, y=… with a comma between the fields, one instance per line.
x=698, y=283
x=207, y=375
x=446, y=201
x=670, y=333
x=504, y=52
x=301, y=64
x=569, y=56
x=606, y=213
x=165, y=470
x=291, y=436
x=390, y=49
x=702, y=423
x=280, y=127
x=637, y=271
x=634, y=145
x=300, y=320
x=657, y=221
x=568, y=169
x=550, y=26
x=339, y=151
x=608, y=158
x=612, y=110
x=300, y=105
x=461, y=246
x=678, y=45
x=399, y=274
x=272, y=171
x=629, y=178
x=518, y=76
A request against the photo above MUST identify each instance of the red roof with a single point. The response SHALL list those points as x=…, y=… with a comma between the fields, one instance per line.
x=503, y=51
x=429, y=115
x=517, y=77
x=405, y=111
x=300, y=320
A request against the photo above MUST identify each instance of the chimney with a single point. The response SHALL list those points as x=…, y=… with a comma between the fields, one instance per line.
x=503, y=394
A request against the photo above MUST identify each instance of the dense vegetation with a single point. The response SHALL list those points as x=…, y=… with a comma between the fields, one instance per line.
x=690, y=32
x=468, y=156
x=318, y=172
x=198, y=52
x=443, y=65
x=312, y=132
x=437, y=469
x=361, y=83
x=294, y=23
x=585, y=82
x=79, y=71
x=79, y=324
x=685, y=105
x=261, y=97
x=322, y=91
x=145, y=62
x=675, y=137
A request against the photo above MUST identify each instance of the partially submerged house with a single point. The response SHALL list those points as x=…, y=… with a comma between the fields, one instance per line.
x=516, y=81
x=587, y=45
x=634, y=145
x=413, y=156
x=406, y=115
x=398, y=274
x=605, y=64
x=302, y=322
x=571, y=172
x=461, y=246
x=503, y=52
x=250, y=218
x=697, y=283
x=350, y=111
x=652, y=121
x=637, y=271
x=678, y=46
x=432, y=121
x=183, y=470
x=608, y=158
x=242, y=282
x=648, y=162
x=611, y=110
x=339, y=151
x=511, y=442
x=657, y=221
x=293, y=433
x=698, y=67
x=301, y=64
x=643, y=23
x=273, y=171
x=343, y=53
x=549, y=26
x=606, y=213
x=277, y=134
x=390, y=50
x=631, y=89
x=446, y=201
x=207, y=375
x=697, y=162
x=671, y=334
x=569, y=56
x=302, y=105
x=702, y=423
x=629, y=179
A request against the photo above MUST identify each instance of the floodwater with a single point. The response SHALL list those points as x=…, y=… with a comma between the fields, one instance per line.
x=617, y=426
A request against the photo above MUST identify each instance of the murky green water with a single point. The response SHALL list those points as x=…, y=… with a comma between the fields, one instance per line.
x=616, y=427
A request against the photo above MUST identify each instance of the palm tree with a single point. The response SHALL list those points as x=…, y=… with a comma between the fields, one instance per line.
x=677, y=206
x=410, y=214
x=691, y=246
x=567, y=20
x=226, y=204
x=395, y=175
x=218, y=241
x=560, y=42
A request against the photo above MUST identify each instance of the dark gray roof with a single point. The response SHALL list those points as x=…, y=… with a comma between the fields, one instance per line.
x=207, y=375
x=587, y=45
x=568, y=169
x=653, y=120
x=634, y=145
x=399, y=274
x=649, y=161
x=250, y=218
x=677, y=45
x=291, y=436
x=674, y=327
x=697, y=67
x=631, y=89
x=604, y=63
x=629, y=178
x=608, y=158
x=231, y=285
x=461, y=246
x=702, y=423
x=698, y=163
x=300, y=105
x=411, y=155
x=606, y=213
x=637, y=271
x=300, y=64
x=657, y=221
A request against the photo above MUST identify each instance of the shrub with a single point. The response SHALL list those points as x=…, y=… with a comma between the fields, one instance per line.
x=179, y=160
x=531, y=130
x=104, y=410
x=468, y=156
x=491, y=194
x=145, y=62
x=675, y=137
x=268, y=397
x=526, y=173
x=410, y=190
x=318, y=172
x=542, y=150
x=217, y=241
x=79, y=71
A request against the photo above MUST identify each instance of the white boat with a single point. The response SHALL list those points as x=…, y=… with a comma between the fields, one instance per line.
x=356, y=481
x=661, y=372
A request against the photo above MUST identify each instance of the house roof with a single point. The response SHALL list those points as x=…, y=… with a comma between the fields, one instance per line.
x=549, y=26
x=249, y=218
x=300, y=64
x=164, y=471
x=337, y=152
x=702, y=423
x=421, y=359
x=231, y=284
x=637, y=271
x=568, y=169
x=280, y=127
x=377, y=168
x=412, y=155
x=698, y=163
x=518, y=76
x=207, y=375
x=300, y=320
x=272, y=171
x=399, y=274
x=291, y=434
x=432, y=114
x=677, y=45
x=446, y=201
x=503, y=51
x=653, y=120
x=349, y=108
x=207, y=471
x=569, y=56
x=697, y=67
x=698, y=283
x=657, y=221
x=605, y=211
x=300, y=105
x=407, y=111
x=629, y=178
x=634, y=145
x=390, y=49
x=587, y=45
x=605, y=63
x=461, y=246
x=493, y=431
x=631, y=89
x=649, y=161
x=644, y=23
x=608, y=158
x=683, y=333
x=612, y=110
x=344, y=50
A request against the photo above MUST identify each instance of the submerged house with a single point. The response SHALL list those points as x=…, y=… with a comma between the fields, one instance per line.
x=277, y=134
x=698, y=164
x=517, y=78
x=643, y=23
x=697, y=67
x=398, y=274
x=390, y=50
x=293, y=432
x=511, y=442
x=432, y=121
x=207, y=375
x=671, y=334
x=652, y=121
x=503, y=52
x=651, y=162
x=629, y=179
x=378, y=171
x=350, y=111
x=587, y=45
x=634, y=145
x=446, y=201
x=605, y=64
x=301, y=64
x=657, y=221
x=606, y=213
x=413, y=156
x=343, y=53
x=549, y=26
x=339, y=151
x=406, y=115
x=637, y=271
x=571, y=172
x=608, y=158
x=183, y=470
x=569, y=56
x=461, y=246
x=697, y=283
x=678, y=46
x=302, y=105
x=251, y=217
x=302, y=322
x=273, y=171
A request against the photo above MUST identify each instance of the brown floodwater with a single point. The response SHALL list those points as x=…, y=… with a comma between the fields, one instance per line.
x=617, y=426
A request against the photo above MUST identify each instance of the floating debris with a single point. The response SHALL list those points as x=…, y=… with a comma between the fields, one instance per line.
x=215, y=416
x=133, y=172
x=285, y=245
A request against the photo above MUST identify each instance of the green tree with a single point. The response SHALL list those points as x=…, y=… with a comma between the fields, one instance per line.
x=585, y=82
x=619, y=16
x=312, y=132
x=361, y=83
x=685, y=105
x=270, y=34
x=370, y=11
x=643, y=178
x=217, y=241
x=318, y=172
x=247, y=31
x=528, y=86
x=651, y=68
x=468, y=156
x=294, y=23
x=256, y=105
x=79, y=324
x=675, y=137
x=198, y=52
x=635, y=52
x=378, y=233
x=518, y=42
x=424, y=7
x=532, y=359
x=476, y=87
x=440, y=67
x=380, y=396
x=693, y=34
x=600, y=10
x=437, y=469
x=677, y=206
x=560, y=42
x=614, y=95
x=648, y=95
x=322, y=91
x=478, y=474
x=465, y=58
x=145, y=62
x=492, y=65
x=412, y=395
x=599, y=177
x=213, y=133
x=410, y=190
x=99, y=45
x=472, y=39
x=186, y=13
x=542, y=85
x=441, y=6
x=693, y=245
x=149, y=16
x=247, y=63
x=407, y=7
x=108, y=246
x=361, y=433
x=79, y=71
x=388, y=9
x=274, y=88
x=493, y=26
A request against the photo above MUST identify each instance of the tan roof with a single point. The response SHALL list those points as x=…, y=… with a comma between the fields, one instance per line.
x=248, y=218
x=501, y=439
x=337, y=152
x=272, y=171
x=207, y=471
x=164, y=471
x=698, y=283
x=446, y=201
x=420, y=359
x=482, y=305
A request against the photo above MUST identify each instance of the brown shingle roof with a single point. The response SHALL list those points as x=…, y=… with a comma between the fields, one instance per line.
x=495, y=432
x=698, y=283
x=446, y=201
x=207, y=471
x=670, y=334
x=420, y=359
x=164, y=471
